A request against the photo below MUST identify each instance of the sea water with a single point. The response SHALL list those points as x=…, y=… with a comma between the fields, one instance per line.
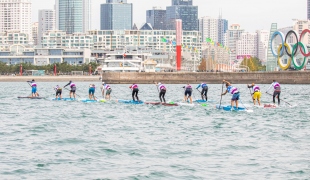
x=45, y=139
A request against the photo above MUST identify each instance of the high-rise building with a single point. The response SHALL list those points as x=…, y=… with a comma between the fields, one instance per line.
x=47, y=21
x=209, y=28
x=246, y=46
x=116, y=15
x=182, y=9
x=271, y=63
x=232, y=35
x=222, y=29
x=73, y=15
x=308, y=9
x=157, y=18
x=35, y=27
x=15, y=15
x=213, y=28
x=262, y=44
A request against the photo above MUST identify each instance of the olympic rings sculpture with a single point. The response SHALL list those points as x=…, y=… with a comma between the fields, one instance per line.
x=292, y=52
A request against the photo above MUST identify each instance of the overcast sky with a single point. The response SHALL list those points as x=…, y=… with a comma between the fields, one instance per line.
x=250, y=14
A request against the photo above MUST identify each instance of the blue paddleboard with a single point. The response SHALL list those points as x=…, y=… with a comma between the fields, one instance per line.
x=129, y=101
x=64, y=99
x=228, y=108
x=203, y=101
x=88, y=101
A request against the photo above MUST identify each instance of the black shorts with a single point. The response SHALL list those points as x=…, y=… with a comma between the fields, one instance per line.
x=58, y=92
x=73, y=89
x=188, y=92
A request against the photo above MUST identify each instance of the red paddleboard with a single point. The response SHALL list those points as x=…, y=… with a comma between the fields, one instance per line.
x=269, y=106
x=153, y=103
x=168, y=104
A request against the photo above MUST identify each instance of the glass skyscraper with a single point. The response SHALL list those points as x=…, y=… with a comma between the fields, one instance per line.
x=308, y=9
x=73, y=15
x=157, y=18
x=182, y=9
x=116, y=15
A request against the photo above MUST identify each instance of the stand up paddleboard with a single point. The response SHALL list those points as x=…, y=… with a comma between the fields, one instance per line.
x=186, y=104
x=229, y=108
x=20, y=97
x=64, y=99
x=163, y=104
x=270, y=106
x=203, y=101
x=129, y=101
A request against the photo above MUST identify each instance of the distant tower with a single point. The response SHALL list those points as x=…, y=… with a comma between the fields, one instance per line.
x=308, y=9
x=116, y=15
x=157, y=18
x=73, y=15
x=182, y=9
x=47, y=21
x=271, y=63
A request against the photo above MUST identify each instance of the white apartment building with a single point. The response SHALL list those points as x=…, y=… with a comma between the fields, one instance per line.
x=14, y=38
x=208, y=27
x=246, y=46
x=47, y=21
x=116, y=39
x=15, y=15
x=299, y=26
x=57, y=38
x=232, y=35
x=34, y=35
x=262, y=44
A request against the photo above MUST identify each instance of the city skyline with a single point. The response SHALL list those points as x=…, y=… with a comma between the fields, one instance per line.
x=236, y=12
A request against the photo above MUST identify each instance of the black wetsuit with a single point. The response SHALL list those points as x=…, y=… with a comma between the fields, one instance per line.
x=135, y=94
x=204, y=93
x=162, y=95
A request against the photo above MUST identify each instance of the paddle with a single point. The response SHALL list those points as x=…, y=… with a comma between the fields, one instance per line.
x=221, y=95
x=69, y=90
x=245, y=107
x=280, y=99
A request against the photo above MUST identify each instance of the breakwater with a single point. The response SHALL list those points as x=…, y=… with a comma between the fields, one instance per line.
x=290, y=77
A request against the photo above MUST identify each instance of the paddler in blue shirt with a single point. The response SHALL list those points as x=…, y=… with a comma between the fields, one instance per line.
x=188, y=93
x=91, y=91
x=234, y=91
x=204, y=90
x=33, y=85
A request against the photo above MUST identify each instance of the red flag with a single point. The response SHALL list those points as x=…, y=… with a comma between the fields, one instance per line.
x=21, y=69
x=55, y=70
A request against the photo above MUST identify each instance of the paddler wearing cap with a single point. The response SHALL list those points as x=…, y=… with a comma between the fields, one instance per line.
x=256, y=95
x=108, y=92
x=162, y=91
x=73, y=88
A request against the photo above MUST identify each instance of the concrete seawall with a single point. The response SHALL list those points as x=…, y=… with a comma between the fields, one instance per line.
x=291, y=77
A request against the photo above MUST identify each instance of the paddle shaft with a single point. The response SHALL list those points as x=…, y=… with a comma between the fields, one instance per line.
x=69, y=90
x=280, y=99
x=221, y=95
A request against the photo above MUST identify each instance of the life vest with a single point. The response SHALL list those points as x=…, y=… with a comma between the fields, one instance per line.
x=232, y=90
x=256, y=89
x=161, y=87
